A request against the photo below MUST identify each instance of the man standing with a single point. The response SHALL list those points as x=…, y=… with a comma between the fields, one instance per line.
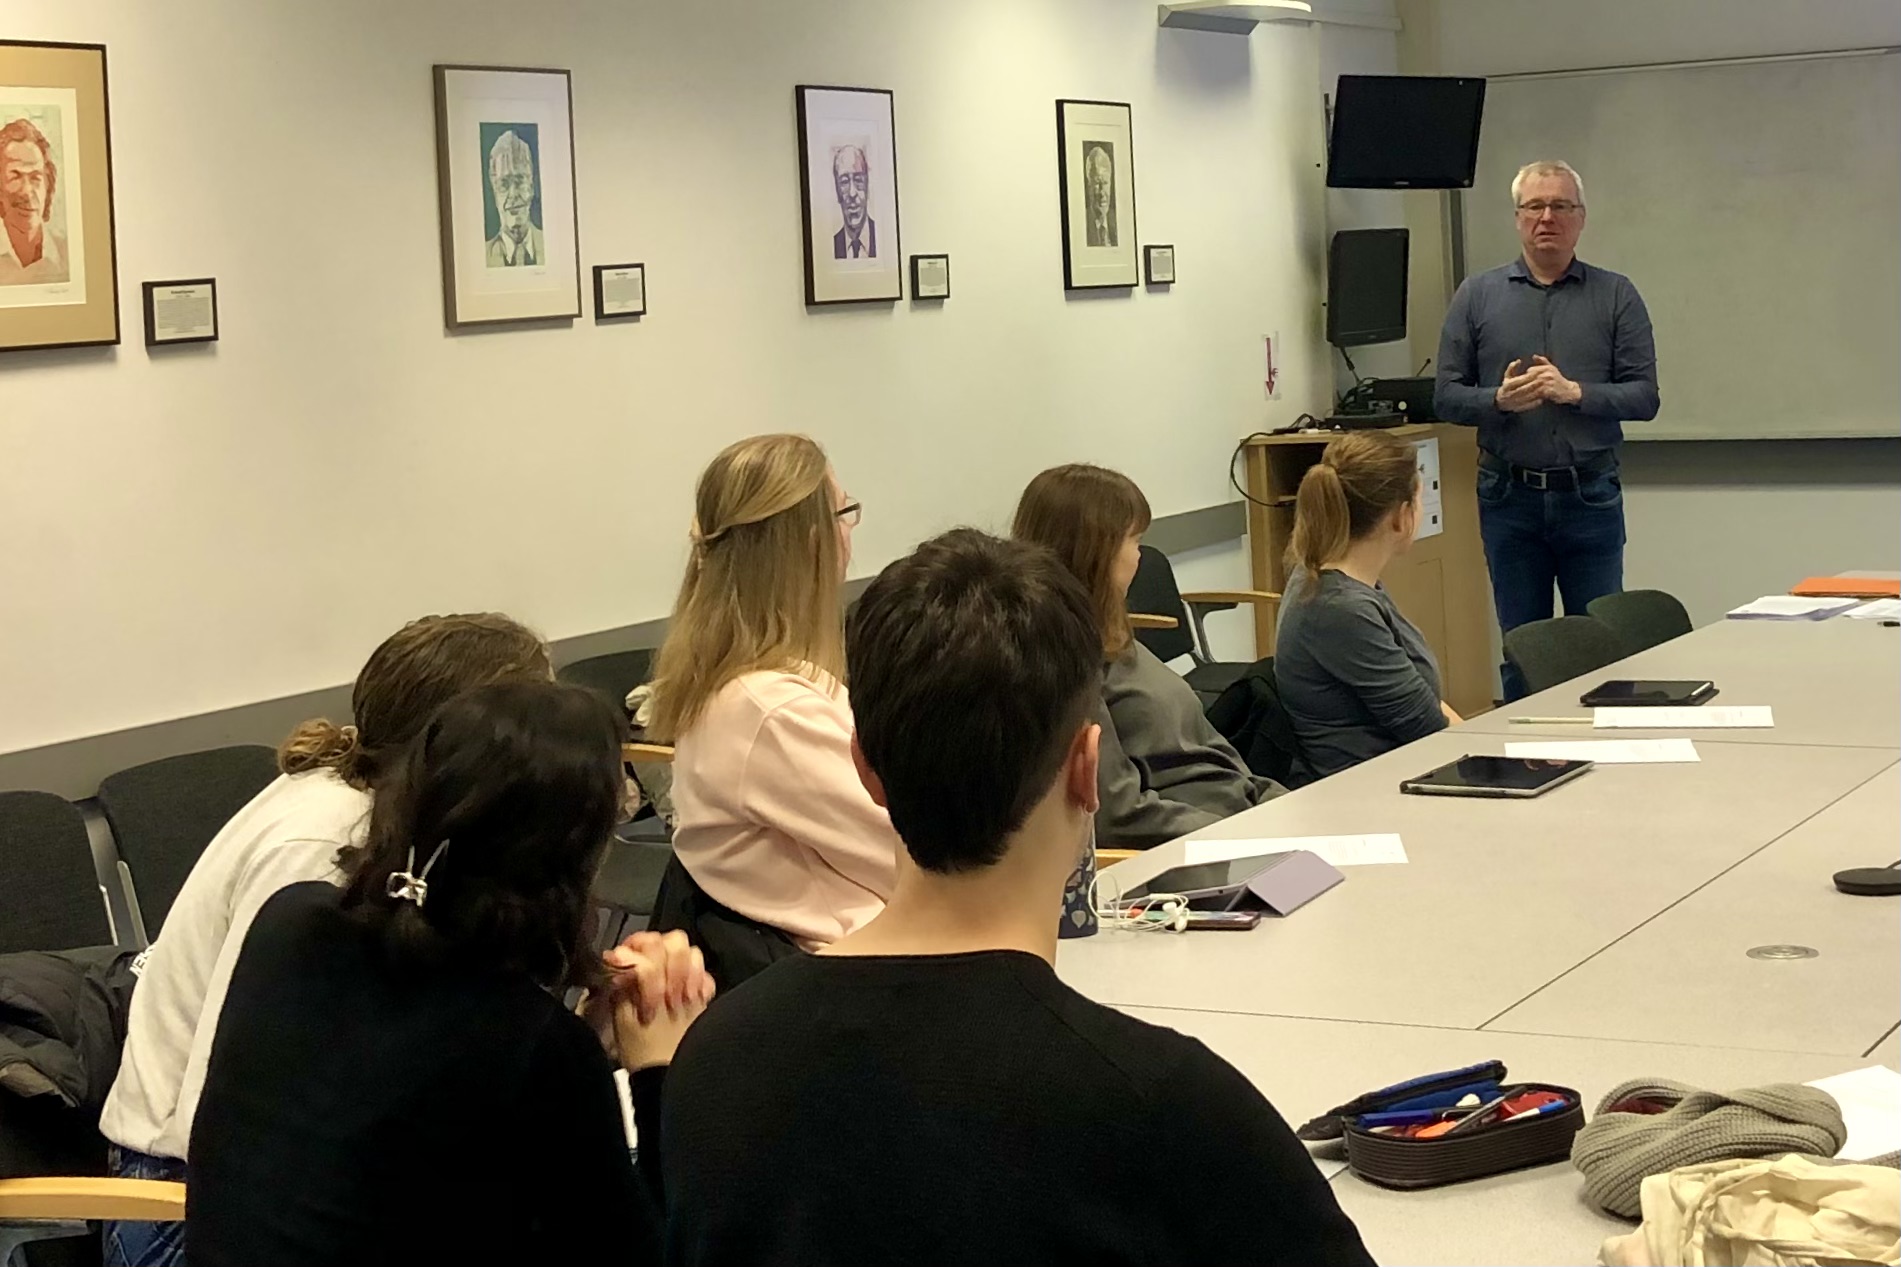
x=31, y=252
x=851, y=182
x=511, y=175
x=1547, y=355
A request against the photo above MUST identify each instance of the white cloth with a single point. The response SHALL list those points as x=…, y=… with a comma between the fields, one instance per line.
x=51, y=266
x=1764, y=1212
x=289, y=833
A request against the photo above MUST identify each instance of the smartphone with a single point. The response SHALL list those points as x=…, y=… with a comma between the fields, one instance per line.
x=1232, y=921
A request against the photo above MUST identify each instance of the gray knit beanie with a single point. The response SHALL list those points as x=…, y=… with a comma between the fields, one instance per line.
x=1616, y=1151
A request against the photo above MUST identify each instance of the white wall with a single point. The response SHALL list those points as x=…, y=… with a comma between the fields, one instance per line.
x=195, y=529
x=1715, y=523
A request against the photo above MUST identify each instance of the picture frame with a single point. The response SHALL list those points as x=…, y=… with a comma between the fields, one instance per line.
x=1095, y=173
x=620, y=290
x=848, y=195
x=56, y=138
x=930, y=277
x=181, y=312
x=1158, y=265
x=505, y=186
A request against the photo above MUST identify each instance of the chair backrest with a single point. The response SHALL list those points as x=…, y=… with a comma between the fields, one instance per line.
x=1154, y=593
x=1642, y=618
x=165, y=812
x=735, y=947
x=612, y=675
x=49, y=890
x=1548, y=652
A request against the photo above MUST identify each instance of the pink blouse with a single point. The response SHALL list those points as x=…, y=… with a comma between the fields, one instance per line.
x=771, y=818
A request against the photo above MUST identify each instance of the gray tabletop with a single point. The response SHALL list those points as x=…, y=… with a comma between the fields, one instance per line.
x=1591, y=935
x=1831, y=683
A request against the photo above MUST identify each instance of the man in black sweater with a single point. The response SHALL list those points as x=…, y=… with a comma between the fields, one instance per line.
x=926, y=1090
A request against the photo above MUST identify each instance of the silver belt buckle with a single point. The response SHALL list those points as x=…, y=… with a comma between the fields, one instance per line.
x=1537, y=479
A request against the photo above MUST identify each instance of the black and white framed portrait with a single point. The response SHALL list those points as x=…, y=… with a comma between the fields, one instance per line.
x=848, y=186
x=505, y=177
x=1095, y=163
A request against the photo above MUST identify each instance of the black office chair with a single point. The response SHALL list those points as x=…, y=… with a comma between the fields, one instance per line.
x=612, y=675
x=49, y=891
x=1547, y=652
x=1154, y=592
x=165, y=812
x=1642, y=618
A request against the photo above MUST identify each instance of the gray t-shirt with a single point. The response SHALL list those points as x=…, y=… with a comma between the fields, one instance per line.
x=1165, y=771
x=1355, y=675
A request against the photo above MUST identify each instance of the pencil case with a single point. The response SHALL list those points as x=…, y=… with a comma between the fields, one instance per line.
x=1429, y=1091
x=1492, y=1148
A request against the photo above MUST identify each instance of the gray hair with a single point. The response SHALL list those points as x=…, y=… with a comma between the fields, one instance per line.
x=509, y=151
x=1547, y=167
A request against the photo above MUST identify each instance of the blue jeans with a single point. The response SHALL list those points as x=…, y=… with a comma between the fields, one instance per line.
x=1571, y=537
x=130, y=1244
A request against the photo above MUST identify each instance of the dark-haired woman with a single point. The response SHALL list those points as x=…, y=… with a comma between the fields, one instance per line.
x=290, y=832
x=395, y=1079
x=1354, y=674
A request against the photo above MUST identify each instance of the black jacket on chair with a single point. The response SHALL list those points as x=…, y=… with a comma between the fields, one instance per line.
x=1249, y=714
x=62, y=1024
x=734, y=946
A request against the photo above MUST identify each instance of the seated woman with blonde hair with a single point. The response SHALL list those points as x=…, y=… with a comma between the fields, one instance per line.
x=1356, y=676
x=772, y=820
x=1165, y=770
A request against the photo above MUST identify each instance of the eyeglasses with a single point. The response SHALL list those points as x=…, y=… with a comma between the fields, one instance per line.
x=1555, y=208
x=850, y=513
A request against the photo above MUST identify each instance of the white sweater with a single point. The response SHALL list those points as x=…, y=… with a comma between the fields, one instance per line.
x=289, y=833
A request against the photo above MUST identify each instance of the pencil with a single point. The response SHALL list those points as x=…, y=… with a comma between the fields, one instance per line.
x=1551, y=721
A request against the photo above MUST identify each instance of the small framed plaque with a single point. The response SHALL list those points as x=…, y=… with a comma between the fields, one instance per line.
x=181, y=312
x=930, y=277
x=620, y=290
x=1158, y=265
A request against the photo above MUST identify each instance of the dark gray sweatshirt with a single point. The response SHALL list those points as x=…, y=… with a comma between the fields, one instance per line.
x=1356, y=676
x=1165, y=770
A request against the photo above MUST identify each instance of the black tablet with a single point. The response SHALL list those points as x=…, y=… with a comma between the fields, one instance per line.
x=1623, y=693
x=1495, y=776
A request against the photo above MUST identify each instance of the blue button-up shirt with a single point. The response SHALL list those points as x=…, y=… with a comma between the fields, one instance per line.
x=1590, y=323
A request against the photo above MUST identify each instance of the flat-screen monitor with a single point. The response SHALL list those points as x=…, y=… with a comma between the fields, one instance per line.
x=1366, y=287
x=1404, y=132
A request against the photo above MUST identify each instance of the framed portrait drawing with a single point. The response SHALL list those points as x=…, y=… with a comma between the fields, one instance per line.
x=505, y=181
x=59, y=282
x=848, y=191
x=1095, y=165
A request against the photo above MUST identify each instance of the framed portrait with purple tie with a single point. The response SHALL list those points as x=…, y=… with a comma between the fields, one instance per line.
x=1095, y=171
x=848, y=195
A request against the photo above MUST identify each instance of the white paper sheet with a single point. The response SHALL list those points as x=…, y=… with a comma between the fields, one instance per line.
x=1878, y=609
x=1871, y=1108
x=1341, y=851
x=1789, y=607
x=1607, y=751
x=1708, y=717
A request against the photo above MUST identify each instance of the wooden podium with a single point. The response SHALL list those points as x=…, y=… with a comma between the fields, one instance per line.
x=1440, y=584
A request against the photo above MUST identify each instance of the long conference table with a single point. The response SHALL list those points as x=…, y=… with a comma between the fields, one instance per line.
x=1592, y=935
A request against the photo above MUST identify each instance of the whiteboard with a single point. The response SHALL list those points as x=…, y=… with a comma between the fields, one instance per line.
x=1756, y=206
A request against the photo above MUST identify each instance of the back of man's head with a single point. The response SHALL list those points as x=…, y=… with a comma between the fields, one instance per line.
x=973, y=664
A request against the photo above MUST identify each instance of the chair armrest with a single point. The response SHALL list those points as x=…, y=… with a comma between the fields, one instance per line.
x=142, y=1200
x=646, y=752
x=1143, y=620
x=1107, y=857
x=1229, y=597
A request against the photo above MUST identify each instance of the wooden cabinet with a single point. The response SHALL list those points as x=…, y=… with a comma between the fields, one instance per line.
x=1440, y=584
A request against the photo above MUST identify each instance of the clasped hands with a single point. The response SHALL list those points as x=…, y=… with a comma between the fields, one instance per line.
x=657, y=986
x=1529, y=388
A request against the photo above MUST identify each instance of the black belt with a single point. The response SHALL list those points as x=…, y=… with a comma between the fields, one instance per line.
x=1554, y=478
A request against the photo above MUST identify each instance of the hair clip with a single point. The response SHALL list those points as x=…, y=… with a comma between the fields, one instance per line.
x=405, y=885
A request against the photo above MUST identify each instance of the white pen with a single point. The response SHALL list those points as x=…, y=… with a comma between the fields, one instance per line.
x=1551, y=721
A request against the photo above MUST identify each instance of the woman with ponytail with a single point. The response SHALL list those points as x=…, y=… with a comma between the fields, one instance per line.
x=291, y=831
x=1354, y=674
x=771, y=818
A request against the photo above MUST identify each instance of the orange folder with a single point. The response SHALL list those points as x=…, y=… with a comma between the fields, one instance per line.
x=1847, y=587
